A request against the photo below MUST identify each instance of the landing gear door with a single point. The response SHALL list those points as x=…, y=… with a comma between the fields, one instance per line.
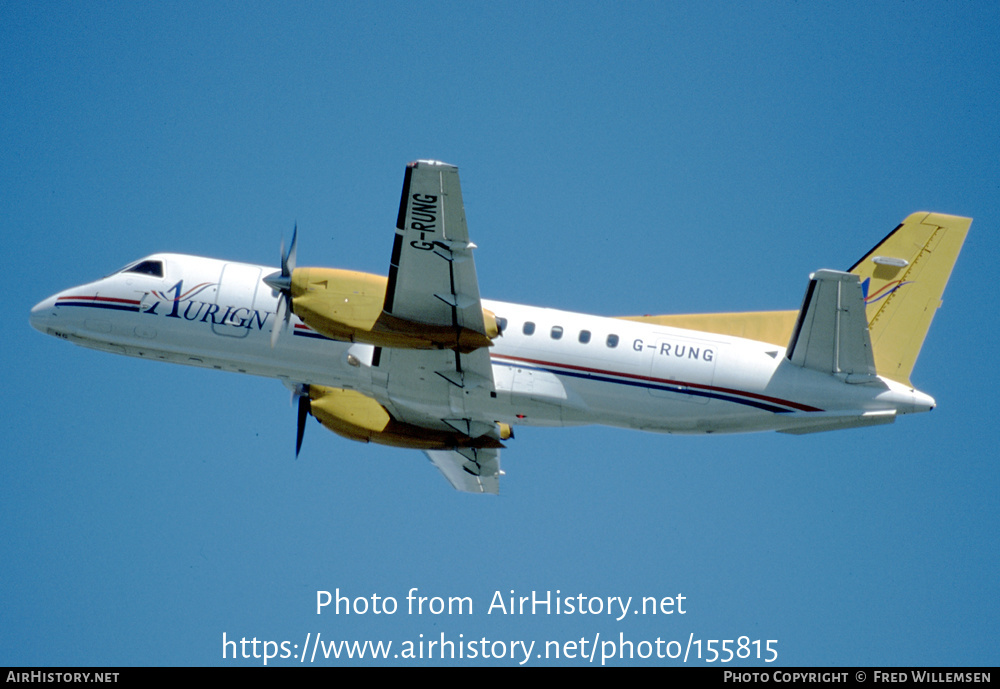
x=235, y=298
x=683, y=369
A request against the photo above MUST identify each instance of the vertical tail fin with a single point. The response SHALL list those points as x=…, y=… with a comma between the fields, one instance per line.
x=902, y=280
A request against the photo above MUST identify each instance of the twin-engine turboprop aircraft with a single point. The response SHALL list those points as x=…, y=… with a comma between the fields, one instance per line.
x=419, y=360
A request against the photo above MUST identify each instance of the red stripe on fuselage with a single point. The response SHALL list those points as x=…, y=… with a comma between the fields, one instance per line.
x=598, y=371
x=114, y=300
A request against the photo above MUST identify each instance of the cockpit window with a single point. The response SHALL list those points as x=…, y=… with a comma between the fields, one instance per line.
x=154, y=268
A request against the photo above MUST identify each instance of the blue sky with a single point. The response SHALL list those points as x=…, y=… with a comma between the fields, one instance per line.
x=616, y=159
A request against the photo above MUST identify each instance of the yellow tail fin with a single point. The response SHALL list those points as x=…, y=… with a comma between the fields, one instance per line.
x=903, y=279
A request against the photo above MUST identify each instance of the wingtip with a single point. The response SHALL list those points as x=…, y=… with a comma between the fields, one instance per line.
x=430, y=163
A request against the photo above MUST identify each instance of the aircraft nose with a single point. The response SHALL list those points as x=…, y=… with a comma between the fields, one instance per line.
x=41, y=314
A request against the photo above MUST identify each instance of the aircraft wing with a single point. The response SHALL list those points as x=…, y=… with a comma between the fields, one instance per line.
x=455, y=465
x=432, y=277
x=432, y=282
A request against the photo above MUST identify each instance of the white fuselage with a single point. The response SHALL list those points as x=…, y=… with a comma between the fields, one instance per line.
x=550, y=367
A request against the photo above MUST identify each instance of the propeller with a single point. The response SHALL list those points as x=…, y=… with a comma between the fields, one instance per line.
x=305, y=407
x=281, y=281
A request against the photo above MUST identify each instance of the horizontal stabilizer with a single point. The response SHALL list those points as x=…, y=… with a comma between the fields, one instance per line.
x=816, y=422
x=831, y=335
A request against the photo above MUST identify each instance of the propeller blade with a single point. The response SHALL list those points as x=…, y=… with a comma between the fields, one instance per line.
x=281, y=282
x=289, y=262
x=305, y=407
x=280, y=320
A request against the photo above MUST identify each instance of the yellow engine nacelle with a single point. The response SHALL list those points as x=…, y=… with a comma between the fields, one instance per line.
x=347, y=305
x=359, y=417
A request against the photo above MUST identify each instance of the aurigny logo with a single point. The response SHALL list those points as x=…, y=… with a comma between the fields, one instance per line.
x=881, y=293
x=183, y=305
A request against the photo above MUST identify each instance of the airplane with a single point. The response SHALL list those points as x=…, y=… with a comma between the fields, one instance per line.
x=417, y=359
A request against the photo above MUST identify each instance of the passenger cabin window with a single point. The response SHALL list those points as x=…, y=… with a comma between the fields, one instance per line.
x=501, y=324
x=529, y=328
x=154, y=268
x=612, y=341
x=557, y=332
x=584, y=336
